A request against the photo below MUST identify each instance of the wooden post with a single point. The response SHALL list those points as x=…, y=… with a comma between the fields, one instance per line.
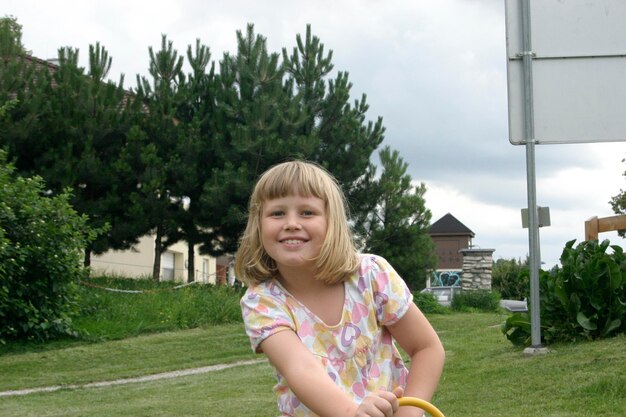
x=596, y=225
x=591, y=228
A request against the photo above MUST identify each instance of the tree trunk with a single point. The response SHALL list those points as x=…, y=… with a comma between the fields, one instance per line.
x=190, y=263
x=156, y=268
x=87, y=258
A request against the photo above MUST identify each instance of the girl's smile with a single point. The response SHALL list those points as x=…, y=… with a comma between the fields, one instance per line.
x=293, y=229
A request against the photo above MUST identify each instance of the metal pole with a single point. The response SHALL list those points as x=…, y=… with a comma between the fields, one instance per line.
x=533, y=223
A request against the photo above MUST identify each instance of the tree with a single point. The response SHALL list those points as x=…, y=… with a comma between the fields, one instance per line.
x=10, y=38
x=101, y=187
x=397, y=228
x=156, y=161
x=267, y=112
x=70, y=128
x=346, y=140
x=257, y=124
x=618, y=204
x=194, y=152
x=17, y=82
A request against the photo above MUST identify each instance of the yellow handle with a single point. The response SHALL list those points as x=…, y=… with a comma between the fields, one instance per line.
x=424, y=405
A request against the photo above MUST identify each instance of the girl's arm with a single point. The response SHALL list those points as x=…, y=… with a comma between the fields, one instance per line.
x=309, y=381
x=419, y=340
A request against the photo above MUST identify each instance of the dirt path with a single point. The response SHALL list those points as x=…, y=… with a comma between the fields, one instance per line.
x=145, y=378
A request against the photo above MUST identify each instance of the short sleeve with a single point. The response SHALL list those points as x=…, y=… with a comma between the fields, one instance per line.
x=392, y=296
x=264, y=313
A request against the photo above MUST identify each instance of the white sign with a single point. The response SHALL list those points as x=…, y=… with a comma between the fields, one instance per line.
x=578, y=71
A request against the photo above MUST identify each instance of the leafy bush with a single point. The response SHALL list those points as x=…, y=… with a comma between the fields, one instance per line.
x=478, y=300
x=428, y=304
x=584, y=299
x=41, y=244
x=510, y=278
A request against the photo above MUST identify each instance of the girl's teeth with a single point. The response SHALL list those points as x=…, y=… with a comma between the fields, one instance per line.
x=292, y=242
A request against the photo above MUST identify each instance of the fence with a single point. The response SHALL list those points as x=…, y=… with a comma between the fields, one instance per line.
x=596, y=225
x=108, y=267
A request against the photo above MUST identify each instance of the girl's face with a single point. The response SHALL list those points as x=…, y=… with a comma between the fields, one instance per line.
x=293, y=229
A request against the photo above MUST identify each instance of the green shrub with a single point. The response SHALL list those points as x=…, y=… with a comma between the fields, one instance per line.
x=428, y=304
x=510, y=278
x=41, y=246
x=477, y=300
x=584, y=299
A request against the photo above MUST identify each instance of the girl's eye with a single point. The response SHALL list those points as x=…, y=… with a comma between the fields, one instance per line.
x=307, y=213
x=276, y=213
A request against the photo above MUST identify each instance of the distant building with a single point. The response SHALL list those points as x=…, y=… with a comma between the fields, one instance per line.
x=138, y=261
x=450, y=237
x=459, y=263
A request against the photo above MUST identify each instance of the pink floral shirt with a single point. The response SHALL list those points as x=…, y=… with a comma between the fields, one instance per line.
x=358, y=352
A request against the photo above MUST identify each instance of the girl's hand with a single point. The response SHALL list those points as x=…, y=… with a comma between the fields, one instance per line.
x=379, y=404
x=406, y=411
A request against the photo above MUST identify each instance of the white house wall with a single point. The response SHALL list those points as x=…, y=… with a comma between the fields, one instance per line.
x=138, y=263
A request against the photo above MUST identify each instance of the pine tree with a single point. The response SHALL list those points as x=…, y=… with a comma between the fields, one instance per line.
x=256, y=125
x=156, y=160
x=194, y=153
x=10, y=38
x=69, y=128
x=24, y=81
x=346, y=139
x=101, y=190
x=398, y=227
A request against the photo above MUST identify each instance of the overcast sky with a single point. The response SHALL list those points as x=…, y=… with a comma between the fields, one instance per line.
x=434, y=70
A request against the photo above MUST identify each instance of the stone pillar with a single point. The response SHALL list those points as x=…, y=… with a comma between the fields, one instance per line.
x=477, y=265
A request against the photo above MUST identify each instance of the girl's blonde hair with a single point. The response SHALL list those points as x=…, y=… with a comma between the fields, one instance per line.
x=337, y=259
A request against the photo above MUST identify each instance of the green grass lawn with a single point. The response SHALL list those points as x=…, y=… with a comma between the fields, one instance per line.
x=127, y=358
x=484, y=375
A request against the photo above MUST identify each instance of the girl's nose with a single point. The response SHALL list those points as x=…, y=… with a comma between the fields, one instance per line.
x=292, y=223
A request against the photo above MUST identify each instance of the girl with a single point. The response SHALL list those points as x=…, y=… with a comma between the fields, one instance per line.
x=325, y=316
